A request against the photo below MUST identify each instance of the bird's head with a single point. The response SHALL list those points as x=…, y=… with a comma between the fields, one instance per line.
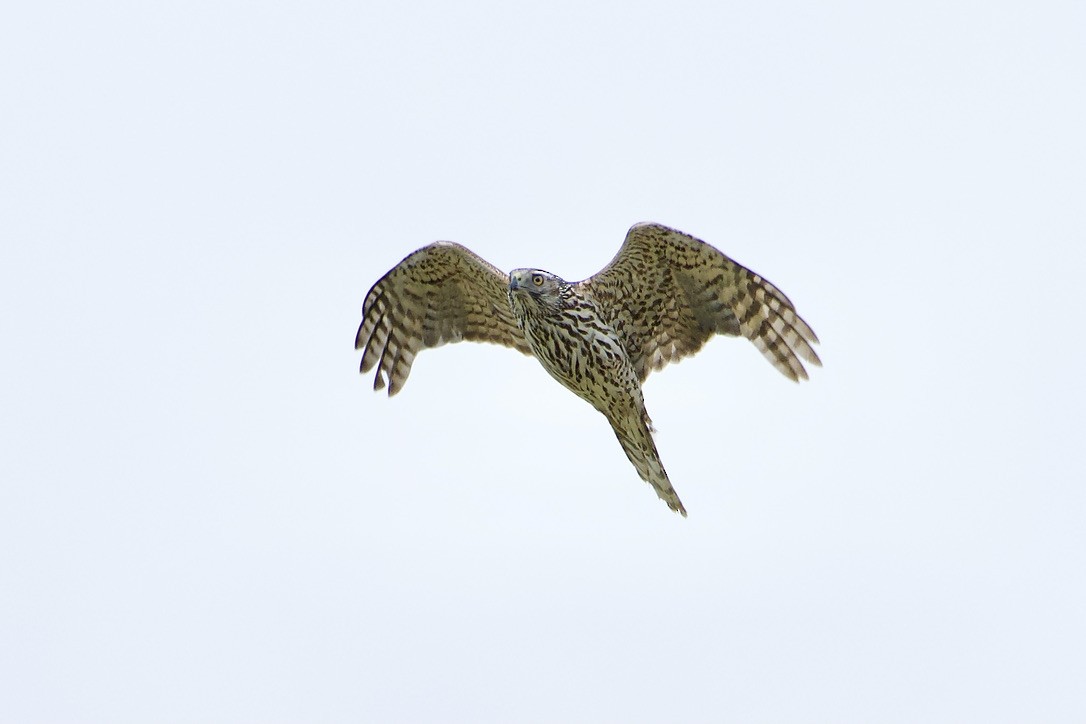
x=534, y=292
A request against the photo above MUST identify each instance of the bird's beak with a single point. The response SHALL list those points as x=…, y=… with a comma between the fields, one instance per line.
x=514, y=281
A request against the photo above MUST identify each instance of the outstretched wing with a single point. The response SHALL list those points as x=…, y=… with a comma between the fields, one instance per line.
x=667, y=293
x=439, y=294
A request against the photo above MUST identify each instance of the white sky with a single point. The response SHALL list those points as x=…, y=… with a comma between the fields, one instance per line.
x=206, y=514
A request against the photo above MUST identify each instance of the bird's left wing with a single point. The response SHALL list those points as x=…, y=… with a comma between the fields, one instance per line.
x=667, y=293
x=439, y=294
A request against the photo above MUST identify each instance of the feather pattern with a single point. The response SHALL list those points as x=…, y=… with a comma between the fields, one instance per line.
x=439, y=294
x=668, y=293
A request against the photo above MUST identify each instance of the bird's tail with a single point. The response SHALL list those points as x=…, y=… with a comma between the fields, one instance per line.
x=634, y=432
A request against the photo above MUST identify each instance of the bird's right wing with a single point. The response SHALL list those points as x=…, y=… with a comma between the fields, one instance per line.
x=439, y=294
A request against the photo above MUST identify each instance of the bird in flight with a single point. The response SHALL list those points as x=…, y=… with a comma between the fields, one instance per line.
x=660, y=299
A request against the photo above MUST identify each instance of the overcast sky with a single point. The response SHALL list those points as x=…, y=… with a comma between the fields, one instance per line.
x=207, y=515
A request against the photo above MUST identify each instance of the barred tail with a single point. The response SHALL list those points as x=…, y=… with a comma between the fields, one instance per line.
x=634, y=432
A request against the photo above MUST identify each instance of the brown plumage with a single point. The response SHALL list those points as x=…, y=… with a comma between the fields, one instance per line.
x=660, y=299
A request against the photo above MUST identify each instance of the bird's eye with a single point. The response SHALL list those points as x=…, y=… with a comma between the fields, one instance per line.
x=537, y=279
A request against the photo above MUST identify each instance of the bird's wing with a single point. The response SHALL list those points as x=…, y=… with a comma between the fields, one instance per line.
x=668, y=293
x=439, y=294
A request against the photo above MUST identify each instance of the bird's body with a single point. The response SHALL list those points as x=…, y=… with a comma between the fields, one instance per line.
x=579, y=348
x=662, y=297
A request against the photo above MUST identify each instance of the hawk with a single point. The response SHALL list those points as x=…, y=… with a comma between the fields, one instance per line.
x=660, y=299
